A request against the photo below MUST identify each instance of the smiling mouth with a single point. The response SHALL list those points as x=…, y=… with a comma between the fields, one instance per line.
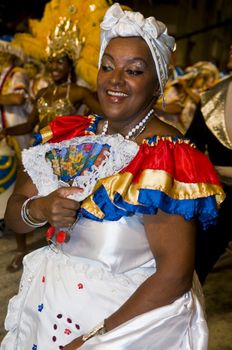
x=116, y=93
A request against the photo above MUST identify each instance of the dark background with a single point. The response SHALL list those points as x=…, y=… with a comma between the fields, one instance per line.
x=14, y=15
x=202, y=28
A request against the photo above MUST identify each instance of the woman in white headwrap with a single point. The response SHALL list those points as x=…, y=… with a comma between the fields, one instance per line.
x=121, y=276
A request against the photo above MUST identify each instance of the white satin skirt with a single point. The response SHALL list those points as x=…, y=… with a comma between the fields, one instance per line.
x=63, y=296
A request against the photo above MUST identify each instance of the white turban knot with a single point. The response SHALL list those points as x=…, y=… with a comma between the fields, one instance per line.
x=119, y=23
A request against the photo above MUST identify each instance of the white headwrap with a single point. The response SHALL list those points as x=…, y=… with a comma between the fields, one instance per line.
x=119, y=23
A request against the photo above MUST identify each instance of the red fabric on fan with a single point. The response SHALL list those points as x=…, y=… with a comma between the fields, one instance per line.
x=65, y=128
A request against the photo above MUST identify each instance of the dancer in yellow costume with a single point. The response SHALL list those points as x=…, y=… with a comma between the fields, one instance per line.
x=86, y=15
x=67, y=37
x=63, y=96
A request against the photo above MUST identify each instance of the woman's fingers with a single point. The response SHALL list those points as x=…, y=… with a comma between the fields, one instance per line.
x=57, y=208
x=61, y=211
x=68, y=191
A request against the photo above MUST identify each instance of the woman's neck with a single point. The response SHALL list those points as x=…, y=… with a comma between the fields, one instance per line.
x=131, y=130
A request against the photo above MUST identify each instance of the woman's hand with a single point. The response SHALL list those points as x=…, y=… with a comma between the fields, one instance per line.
x=59, y=210
x=75, y=344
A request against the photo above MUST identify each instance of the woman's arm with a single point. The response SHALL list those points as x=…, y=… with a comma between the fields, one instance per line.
x=24, y=188
x=27, y=127
x=172, y=241
x=23, y=128
x=79, y=94
x=12, y=99
x=56, y=208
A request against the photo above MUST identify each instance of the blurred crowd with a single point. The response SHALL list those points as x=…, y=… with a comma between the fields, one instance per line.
x=35, y=89
x=184, y=89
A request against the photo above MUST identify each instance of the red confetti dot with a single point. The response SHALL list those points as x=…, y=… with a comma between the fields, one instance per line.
x=43, y=279
x=54, y=338
x=77, y=326
x=59, y=316
x=80, y=286
x=61, y=237
x=50, y=232
x=69, y=320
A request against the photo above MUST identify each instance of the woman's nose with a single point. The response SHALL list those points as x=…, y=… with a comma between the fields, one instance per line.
x=117, y=77
x=54, y=65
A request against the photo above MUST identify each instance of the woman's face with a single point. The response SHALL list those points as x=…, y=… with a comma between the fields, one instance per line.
x=127, y=79
x=59, y=69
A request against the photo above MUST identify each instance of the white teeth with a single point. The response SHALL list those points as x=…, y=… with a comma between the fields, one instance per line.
x=114, y=93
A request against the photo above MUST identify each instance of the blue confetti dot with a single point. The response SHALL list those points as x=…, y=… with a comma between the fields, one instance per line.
x=40, y=307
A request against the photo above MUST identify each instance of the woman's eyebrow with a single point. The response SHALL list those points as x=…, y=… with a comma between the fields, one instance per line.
x=131, y=60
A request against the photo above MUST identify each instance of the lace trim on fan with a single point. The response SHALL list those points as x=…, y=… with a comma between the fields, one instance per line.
x=40, y=170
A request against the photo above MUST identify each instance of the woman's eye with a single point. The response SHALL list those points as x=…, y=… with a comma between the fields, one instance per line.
x=106, y=68
x=134, y=72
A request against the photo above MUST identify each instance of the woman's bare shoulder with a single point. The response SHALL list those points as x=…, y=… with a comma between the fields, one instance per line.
x=78, y=92
x=161, y=128
x=157, y=127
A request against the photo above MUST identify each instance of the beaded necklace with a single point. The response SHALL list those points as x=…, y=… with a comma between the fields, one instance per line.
x=136, y=130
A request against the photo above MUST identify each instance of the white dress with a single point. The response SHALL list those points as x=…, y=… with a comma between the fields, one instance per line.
x=65, y=293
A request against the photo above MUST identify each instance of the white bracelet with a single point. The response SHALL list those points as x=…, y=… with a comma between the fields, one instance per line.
x=98, y=330
x=26, y=217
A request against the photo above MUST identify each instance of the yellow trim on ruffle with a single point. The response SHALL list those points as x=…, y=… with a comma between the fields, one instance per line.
x=151, y=180
x=92, y=208
x=170, y=139
x=7, y=164
x=88, y=132
x=162, y=181
x=9, y=175
x=92, y=119
x=46, y=134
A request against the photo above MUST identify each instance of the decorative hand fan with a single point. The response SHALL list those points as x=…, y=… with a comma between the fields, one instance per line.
x=70, y=164
x=76, y=160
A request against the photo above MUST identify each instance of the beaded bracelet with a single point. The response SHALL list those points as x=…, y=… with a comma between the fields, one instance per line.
x=27, y=218
x=98, y=330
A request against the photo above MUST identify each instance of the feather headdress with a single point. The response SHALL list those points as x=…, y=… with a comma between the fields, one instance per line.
x=85, y=17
